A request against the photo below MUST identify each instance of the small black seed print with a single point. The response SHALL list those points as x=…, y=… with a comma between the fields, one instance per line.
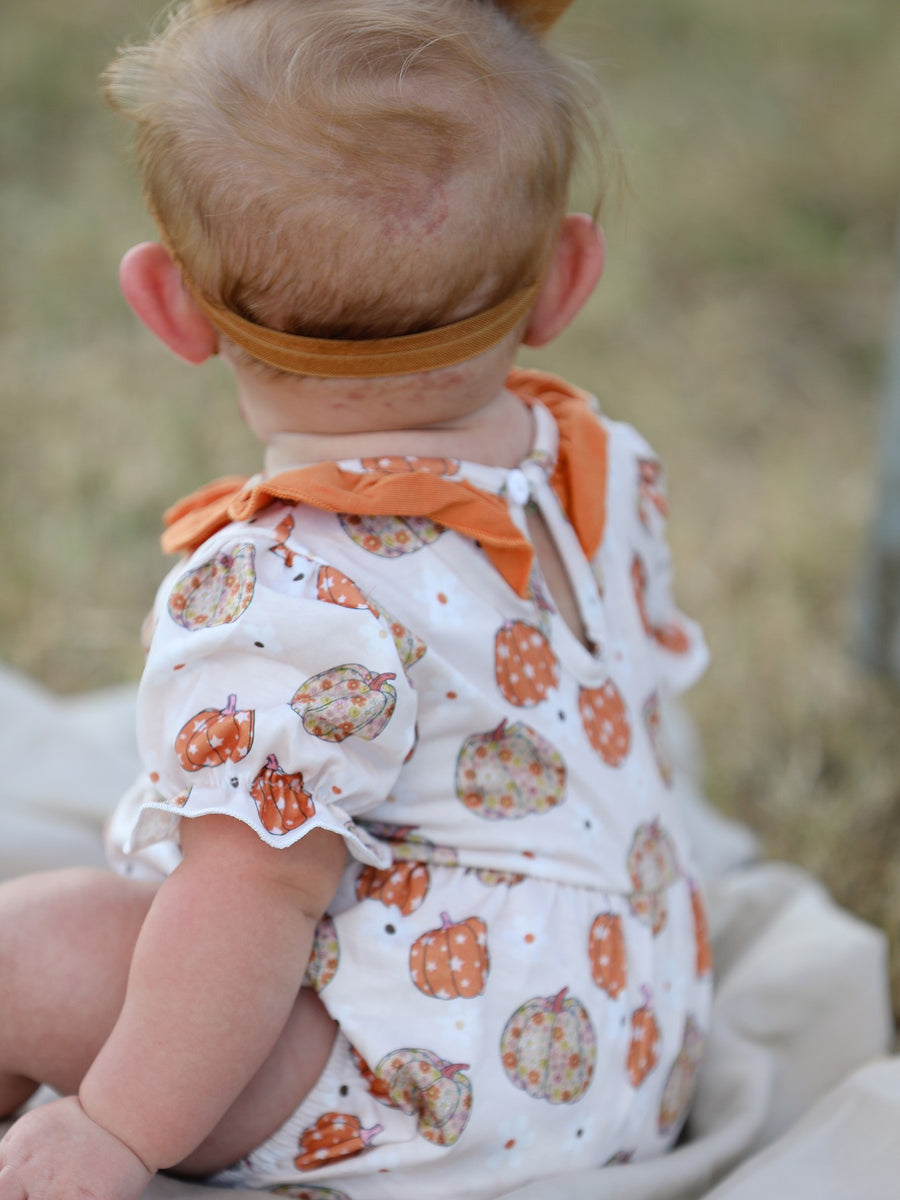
x=390, y=929
x=260, y=644
x=297, y=578
x=233, y=782
x=344, y=1090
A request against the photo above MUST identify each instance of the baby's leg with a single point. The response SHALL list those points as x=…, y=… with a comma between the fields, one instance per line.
x=66, y=941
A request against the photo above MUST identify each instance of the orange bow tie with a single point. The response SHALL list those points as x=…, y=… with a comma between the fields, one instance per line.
x=579, y=480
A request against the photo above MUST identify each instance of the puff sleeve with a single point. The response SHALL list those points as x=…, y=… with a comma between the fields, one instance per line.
x=273, y=693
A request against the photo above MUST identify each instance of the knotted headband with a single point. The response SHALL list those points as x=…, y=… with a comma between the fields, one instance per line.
x=407, y=354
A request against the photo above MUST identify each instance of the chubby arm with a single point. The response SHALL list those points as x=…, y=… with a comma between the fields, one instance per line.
x=215, y=972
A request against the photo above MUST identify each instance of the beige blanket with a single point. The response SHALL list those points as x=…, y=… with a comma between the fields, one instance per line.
x=797, y=1097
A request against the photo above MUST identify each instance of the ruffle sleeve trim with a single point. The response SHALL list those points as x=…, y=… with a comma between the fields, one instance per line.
x=157, y=821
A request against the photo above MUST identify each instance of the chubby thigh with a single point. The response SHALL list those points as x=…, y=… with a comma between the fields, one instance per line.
x=66, y=942
x=493, y=1026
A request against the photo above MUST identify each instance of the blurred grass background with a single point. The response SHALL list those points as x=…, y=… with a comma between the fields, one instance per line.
x=740, y=326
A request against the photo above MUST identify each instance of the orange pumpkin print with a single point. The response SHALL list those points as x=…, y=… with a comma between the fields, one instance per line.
x=215, y=736
x=403, y=885
x=436, y=1092
x=280, y=549
x=643, y=1050
x=282, y=802
x=397, y=464
x=605, y=721
x=651, y=490
x=606, y=952
x=451, y=962
x=390, y=537
x=653, y=723
x=669, y=635
x=215, y=593
x=549, y=1048
x=526, y=667
x=345, y=701
x=334, y=1136
x=704, y=961
x=334, y=587
x=376, y=1086
x=299, y=1192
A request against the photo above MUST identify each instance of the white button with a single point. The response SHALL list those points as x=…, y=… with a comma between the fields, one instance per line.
x=517, y=487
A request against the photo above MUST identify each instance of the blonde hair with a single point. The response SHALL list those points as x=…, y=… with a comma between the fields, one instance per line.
x=359, y=169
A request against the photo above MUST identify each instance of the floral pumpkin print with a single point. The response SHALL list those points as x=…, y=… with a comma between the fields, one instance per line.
x=409, y=646
x=451, y=962
x=325, y=956
x=334, y=587
x=643, y=1050
x=421, y=850
x=215, y=593
x=549, y=1048
x=679, y=1089
x=606, y=951
x=491, y=878
x=525, y=666
x=704, y=960
x=653, y=867
x=281, y=800
x=508, y=773
x=345, y=701
x=670, y=635
x=437, y=1093
x=390, y=537
x=333, y=1136
x=215, y=736
x=403, y=885
x=605, y=721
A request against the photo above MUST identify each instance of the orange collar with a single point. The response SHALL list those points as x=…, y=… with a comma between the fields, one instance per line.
x=579, y=480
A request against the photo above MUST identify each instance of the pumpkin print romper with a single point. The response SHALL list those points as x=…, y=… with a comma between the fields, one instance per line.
x=517, y=955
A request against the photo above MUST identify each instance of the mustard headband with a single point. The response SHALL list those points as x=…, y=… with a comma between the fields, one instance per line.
x=408, y=354
x=345, y=358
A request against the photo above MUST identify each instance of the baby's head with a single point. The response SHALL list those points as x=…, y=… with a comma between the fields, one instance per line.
x=354, y=170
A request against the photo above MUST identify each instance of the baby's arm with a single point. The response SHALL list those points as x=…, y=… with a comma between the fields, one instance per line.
x=214, y=975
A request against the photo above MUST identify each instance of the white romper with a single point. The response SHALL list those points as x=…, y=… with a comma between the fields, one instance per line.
x=517, y=955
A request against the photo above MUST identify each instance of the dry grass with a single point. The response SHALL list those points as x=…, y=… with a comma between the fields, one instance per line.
x=740, y=326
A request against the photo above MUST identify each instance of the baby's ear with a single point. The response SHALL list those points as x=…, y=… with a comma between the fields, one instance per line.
x=152, y=285
x=574, y=271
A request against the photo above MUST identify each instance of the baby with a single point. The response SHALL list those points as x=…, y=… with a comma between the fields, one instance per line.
x=431, y=926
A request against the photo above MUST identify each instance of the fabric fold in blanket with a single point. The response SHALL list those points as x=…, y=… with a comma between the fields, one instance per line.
x=796, y=1096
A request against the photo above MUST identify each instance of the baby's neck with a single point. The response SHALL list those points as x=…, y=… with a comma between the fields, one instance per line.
x=499, y=433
